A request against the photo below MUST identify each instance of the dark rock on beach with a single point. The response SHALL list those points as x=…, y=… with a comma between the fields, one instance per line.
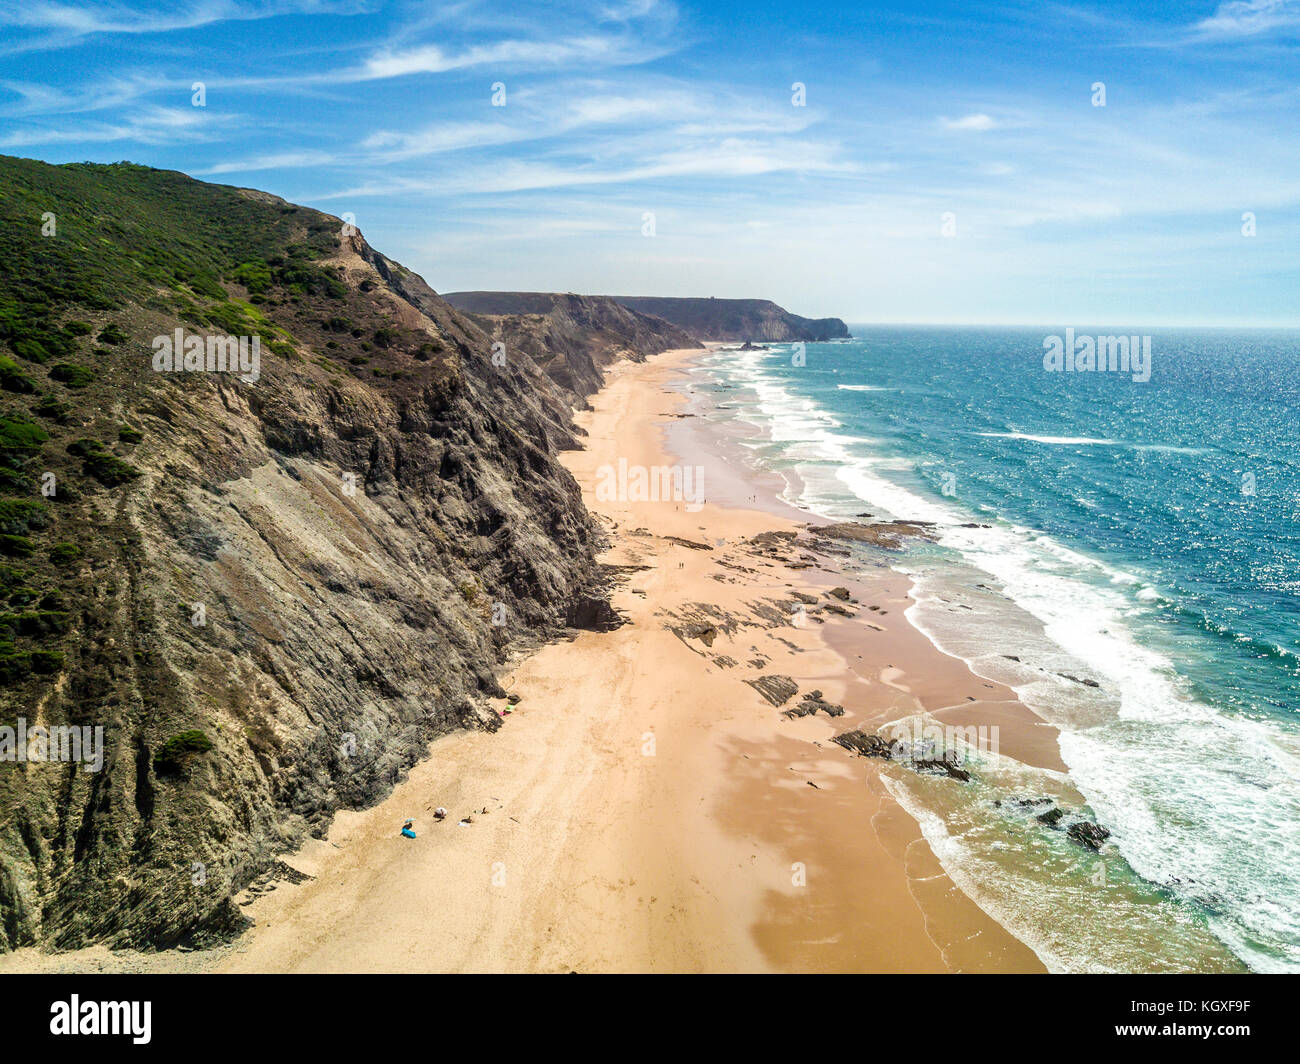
x=868, y=745
x=813, y=702
x=1088, y=835
x=888, y=534
x=775, y=688
x=705, y=633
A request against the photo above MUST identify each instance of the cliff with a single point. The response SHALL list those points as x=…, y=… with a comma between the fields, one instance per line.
x=271, y=594
x=737, y=319
x=699, y=318
x=574, y=338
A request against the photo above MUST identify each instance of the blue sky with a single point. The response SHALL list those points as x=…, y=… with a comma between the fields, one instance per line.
x=1060, y=212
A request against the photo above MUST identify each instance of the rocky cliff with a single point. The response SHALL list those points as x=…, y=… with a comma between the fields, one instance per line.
x=699, y=318
x=737, y=319
x=270, y=593
x=573, y=337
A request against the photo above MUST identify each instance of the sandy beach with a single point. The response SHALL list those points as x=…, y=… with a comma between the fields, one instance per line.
x=643, y=808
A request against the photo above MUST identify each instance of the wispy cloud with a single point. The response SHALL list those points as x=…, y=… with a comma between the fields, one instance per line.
x=729, y=158
x=114, y=92
x=1249, y=18
x=977, y=123
x=58, y=25
x=152, y=126
x=279, y=161
x=671, y=111
x=434, y=59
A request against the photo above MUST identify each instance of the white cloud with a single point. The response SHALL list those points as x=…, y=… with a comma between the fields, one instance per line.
x=154, y=125
x=433, y=59
x=728, y=158
x=64, y=24
x=1247, y=18
x=976, y=122
x=115, y=92
x=673, y=112
x=279, y=161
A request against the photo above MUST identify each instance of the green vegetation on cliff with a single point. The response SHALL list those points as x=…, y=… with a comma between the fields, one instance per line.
x=250, y=581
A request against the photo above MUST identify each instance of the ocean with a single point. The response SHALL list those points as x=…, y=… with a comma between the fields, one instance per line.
x=1143, y=535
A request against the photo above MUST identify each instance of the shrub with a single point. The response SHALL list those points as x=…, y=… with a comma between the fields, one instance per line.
x=127, y=434
x=255, y=276
x=16, y=546
x=46, y=662
x=177, y=751
x=73, y=375
x=40, y=344
x=12, y=379
x=205, y=284
x=110, y=471
x=22, y=515
x=84, y=448
x=64, y=553
x=15, y=481
x=18, y=433
x=112, y=334
x=229, y=318
x=30, y=349
x=15, y=665
x=36, y=622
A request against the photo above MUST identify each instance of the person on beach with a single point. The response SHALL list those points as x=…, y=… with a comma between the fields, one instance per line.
x=408, y=828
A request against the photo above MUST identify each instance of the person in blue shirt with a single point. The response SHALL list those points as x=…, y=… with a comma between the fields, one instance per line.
x=408, y=829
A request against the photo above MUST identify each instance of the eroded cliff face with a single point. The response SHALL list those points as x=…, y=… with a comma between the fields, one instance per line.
x=270, y=595
x=576, y=338
x=700, y=318
x=737, y=319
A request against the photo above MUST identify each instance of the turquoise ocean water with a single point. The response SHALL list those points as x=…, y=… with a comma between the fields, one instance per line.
x=1145, y=535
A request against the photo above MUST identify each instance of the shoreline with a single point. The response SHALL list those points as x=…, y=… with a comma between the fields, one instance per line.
x=643, y=809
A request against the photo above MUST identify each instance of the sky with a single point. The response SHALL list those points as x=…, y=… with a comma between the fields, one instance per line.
x=1109, y=164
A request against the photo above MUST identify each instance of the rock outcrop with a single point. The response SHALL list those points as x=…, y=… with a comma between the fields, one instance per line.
x=777, y=689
